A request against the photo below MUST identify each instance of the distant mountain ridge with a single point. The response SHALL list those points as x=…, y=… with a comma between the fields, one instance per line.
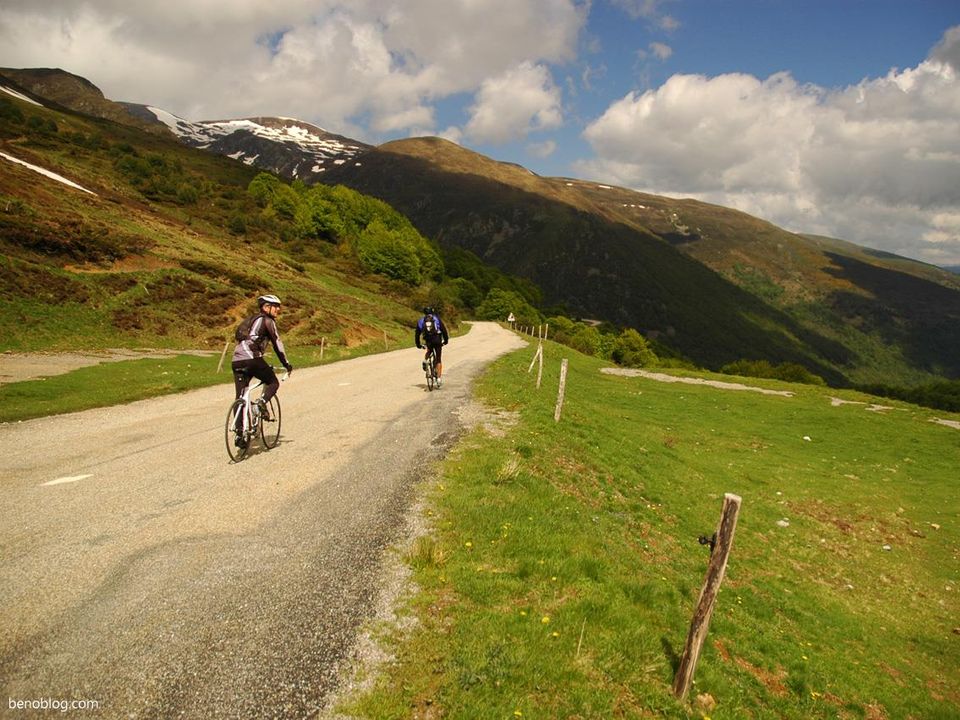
x=715, y=284
x=290, y=148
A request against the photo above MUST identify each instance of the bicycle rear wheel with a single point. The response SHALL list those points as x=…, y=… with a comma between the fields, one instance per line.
x=431, y=373
x=236, y=446
x=270, y=425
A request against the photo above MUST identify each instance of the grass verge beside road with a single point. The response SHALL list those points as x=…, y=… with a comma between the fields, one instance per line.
x=114, y=383
x=563, y=567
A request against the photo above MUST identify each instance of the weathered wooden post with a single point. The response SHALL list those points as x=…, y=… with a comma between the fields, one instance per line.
x=386, y=346
x=534, y=358
x=223, y=355
x=563, y=387
x=540, y=368
x=322, y=341
x=720, y=546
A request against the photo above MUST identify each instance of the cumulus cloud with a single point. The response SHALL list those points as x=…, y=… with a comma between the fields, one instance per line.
x=512, y=105
x=877, y=163
x=345, y=65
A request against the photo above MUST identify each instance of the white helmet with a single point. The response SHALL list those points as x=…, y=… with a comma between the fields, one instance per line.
x=268, y=300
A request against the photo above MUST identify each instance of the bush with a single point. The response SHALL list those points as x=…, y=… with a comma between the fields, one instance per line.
x=499, y=304
x=632, y=350
x=788, y=372
x=382, y=251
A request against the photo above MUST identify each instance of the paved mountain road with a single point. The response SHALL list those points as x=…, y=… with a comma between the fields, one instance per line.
x=144, y=571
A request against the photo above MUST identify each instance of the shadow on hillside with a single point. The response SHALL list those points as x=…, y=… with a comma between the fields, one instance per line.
x=597, y=267
x=919, y=316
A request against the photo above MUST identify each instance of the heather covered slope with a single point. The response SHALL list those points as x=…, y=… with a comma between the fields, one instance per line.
x=167, y=249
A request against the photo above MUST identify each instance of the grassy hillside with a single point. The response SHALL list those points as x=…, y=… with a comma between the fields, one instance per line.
x=717, y=284
x=170, y=251
x=561, y=565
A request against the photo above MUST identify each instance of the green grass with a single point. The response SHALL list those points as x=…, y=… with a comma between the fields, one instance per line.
x=562, y=568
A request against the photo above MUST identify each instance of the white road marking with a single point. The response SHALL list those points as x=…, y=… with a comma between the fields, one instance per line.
x=63, y=480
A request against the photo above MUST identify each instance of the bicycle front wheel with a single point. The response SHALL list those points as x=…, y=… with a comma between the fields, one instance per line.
x=236, y=444
x=430, y=375
x=270, y=425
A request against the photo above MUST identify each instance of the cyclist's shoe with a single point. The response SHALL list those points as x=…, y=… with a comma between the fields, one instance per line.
x=424, y=365
x=263, y=410
x=439, y=382
x=239, y=441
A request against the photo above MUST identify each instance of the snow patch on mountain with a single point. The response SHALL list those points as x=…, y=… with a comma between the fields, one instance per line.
x=19, y=96
x=281, y=145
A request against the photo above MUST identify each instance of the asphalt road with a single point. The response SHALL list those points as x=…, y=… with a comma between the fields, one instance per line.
x=141, y=570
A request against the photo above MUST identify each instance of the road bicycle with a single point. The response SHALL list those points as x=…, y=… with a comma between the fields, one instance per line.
x=245, y=420
x=430, y=369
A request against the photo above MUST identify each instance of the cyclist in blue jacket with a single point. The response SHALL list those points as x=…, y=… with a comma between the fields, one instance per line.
x=434, y=334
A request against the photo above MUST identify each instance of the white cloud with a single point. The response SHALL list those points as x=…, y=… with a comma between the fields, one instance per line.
x=542, y=149
x=649, y=10
x=877, y=163
x=512, y=105
x=660, y=50
x=333, y=62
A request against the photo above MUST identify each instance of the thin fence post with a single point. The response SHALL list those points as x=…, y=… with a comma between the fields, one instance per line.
x=385, y=345
x=540, y=369
x=720, y=546
x=223, y=355
x=563, y=387
x=539, y=352
x=323, y=340
x=546, y=331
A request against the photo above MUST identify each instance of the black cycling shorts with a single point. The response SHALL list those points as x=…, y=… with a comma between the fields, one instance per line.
x=437, y=347
x=243, y=370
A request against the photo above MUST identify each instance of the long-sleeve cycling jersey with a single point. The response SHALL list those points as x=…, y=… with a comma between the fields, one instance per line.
x=262, y=330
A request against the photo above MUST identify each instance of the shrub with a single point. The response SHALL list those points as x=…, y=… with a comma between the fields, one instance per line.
x=632, y=350
x=382, y=251
x=499, y=304
x=789, y=372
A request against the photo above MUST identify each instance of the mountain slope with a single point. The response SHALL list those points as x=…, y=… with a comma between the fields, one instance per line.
x=290, y=148
x=169, y=250
x=716, y=283
x=77, y=94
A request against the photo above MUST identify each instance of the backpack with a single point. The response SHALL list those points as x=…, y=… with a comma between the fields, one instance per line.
x=430, y=328
x=243, y=329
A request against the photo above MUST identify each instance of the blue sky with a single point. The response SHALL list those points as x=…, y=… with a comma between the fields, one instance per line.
x=840, y=118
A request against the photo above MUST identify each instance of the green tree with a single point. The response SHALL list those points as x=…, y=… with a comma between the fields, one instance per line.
x=632, y=350
x=499, y=304
x=382, y=251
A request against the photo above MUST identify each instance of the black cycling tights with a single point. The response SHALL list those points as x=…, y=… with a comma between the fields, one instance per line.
x=243, y=370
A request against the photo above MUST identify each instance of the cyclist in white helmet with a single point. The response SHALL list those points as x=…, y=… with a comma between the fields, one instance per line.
x=252, y=337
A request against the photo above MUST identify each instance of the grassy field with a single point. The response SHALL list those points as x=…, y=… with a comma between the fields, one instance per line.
x=562, y=566
x=112, y=383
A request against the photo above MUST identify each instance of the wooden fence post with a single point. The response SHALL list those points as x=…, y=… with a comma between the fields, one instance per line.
x=534, y=359
x=223, y=355
x=540, y=369
x=385, y=345
x=563, y=387
x=720, y=546
x=323, y=340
